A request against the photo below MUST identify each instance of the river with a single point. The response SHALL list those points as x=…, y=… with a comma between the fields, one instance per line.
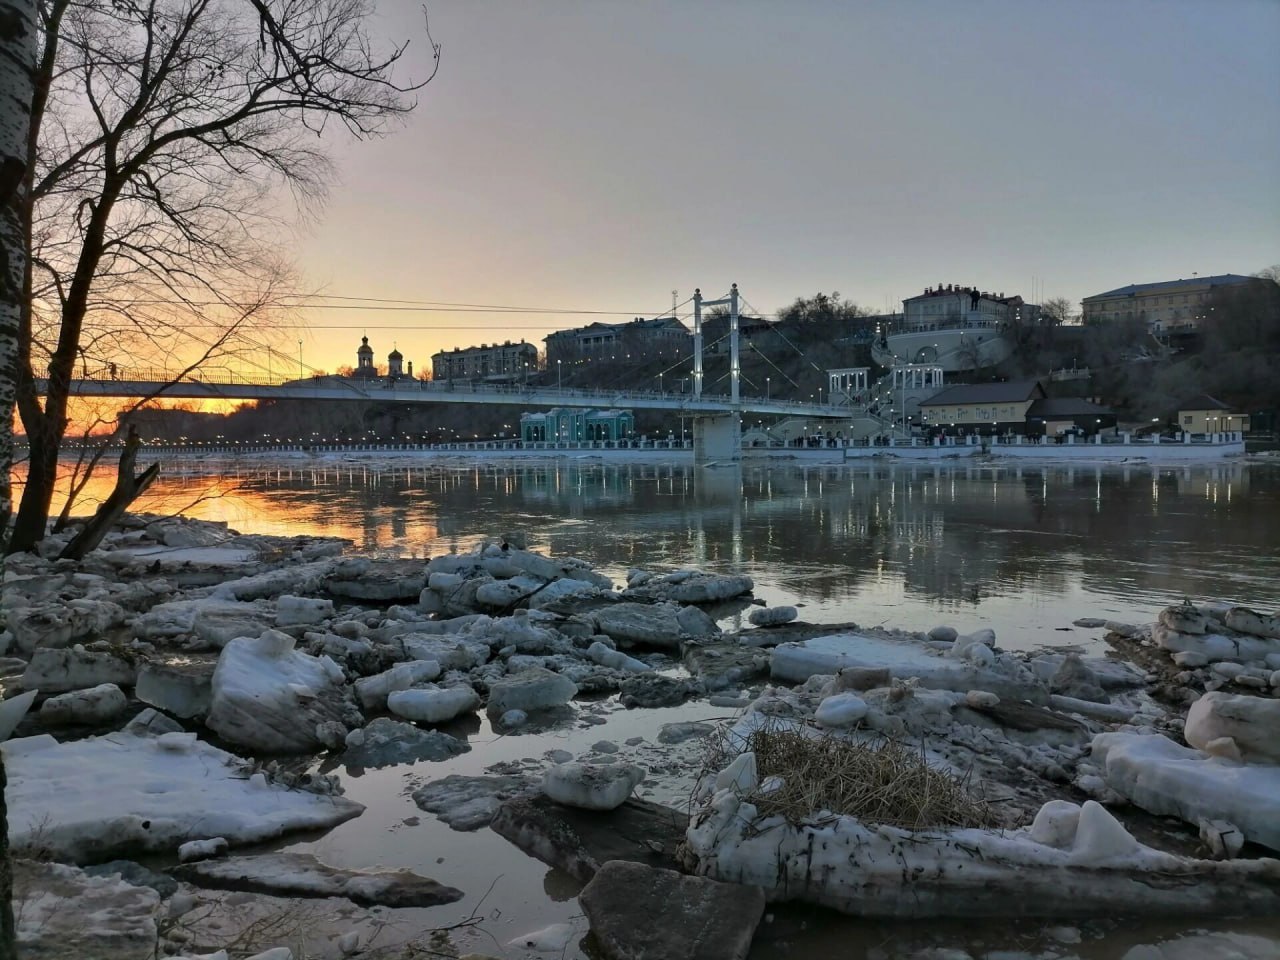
x=1023, y=549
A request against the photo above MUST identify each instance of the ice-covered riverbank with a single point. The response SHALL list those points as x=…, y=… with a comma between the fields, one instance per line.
x=179, y=646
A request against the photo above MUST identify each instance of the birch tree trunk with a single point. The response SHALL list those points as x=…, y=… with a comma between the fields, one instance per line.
x=17, y=65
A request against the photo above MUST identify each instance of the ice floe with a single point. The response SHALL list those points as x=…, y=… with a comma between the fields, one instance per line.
x=274, y=699
x=147, y=793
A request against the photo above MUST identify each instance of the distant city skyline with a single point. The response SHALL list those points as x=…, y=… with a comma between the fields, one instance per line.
x=594, y=157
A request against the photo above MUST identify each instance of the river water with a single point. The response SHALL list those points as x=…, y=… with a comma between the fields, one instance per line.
x=1023, y=549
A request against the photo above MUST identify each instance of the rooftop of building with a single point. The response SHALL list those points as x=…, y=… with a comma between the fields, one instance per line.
x=1203, y=402
x=1013, y=391
x=1051, y=407
x=637, y=323
x=518, y=345
x=952, y=289
x=1133, y=289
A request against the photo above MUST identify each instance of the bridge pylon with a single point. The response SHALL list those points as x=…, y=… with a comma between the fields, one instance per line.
x=735, y=365
x=718, y=437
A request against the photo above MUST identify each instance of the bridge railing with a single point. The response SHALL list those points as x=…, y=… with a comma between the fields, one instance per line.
x=370, y=388
x=158, y=375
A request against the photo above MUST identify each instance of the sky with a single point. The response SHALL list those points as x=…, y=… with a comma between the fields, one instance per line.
x=595, y=155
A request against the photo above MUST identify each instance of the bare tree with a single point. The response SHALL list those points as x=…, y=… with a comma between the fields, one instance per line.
x=1056, y=310
x=822, y=308
x=968, y=354
x=161, y=130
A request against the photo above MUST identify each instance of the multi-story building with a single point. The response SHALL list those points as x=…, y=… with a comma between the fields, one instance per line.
x=1167, y=307
x=500, y=361
x=951, y=306
x=661, y=336
x=961, y=328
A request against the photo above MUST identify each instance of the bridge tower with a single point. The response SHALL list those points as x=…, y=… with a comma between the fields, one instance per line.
x=697, y=342
x=735, y=367
x=718, y=436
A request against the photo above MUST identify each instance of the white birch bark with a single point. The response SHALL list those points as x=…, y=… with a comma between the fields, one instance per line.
x=17, y=78
x=17, y=65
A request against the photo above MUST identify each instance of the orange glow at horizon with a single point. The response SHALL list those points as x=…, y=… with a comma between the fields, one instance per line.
x=97, y=416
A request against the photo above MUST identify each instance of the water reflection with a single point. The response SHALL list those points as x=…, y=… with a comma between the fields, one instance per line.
x=851, y=542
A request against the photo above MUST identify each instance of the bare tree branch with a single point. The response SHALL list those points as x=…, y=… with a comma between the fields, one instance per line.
x=162, y=131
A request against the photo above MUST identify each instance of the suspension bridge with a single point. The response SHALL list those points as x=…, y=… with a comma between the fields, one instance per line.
x=201, y=385
x=716, y=418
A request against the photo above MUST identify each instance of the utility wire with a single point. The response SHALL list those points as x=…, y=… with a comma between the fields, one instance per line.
x=398, y=306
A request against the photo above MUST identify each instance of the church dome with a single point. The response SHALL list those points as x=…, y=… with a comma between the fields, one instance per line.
x=395, y=355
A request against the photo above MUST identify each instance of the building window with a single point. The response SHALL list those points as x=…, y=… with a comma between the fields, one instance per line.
x=1186, y=421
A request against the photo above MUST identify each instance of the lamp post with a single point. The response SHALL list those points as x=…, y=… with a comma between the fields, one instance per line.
x=766, y=388
x=558, y=372
x=299, y=359
x=903, y=374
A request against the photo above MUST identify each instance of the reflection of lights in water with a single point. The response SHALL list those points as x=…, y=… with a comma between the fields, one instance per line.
x=901, y=535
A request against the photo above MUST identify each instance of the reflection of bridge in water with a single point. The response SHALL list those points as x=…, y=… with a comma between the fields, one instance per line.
x=953, y=535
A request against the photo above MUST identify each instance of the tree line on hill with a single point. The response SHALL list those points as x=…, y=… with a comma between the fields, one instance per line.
x=1232, y=355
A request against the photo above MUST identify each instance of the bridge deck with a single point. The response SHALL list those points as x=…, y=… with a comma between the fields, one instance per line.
x=428, y=391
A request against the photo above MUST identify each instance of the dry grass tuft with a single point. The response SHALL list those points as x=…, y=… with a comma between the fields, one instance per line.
x=886, y=783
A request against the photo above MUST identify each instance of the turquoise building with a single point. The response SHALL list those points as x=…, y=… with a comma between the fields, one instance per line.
x=576, y=425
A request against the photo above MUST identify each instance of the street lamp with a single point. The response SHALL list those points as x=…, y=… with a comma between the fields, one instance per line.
x=558, y=371
x=299, y=359
x=766, y=388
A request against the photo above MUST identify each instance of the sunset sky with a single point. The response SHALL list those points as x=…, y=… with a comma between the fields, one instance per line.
x=594, y=156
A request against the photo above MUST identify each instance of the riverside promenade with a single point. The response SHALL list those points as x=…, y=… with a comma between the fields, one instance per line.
x=1124, y=446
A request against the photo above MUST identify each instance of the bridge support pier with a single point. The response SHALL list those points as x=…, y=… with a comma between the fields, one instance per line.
x=717, y=438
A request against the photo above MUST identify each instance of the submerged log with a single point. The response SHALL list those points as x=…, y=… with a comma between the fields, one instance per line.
x=128, y=488
x=579, y=841
x=302, y=875
x=1082, y=865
